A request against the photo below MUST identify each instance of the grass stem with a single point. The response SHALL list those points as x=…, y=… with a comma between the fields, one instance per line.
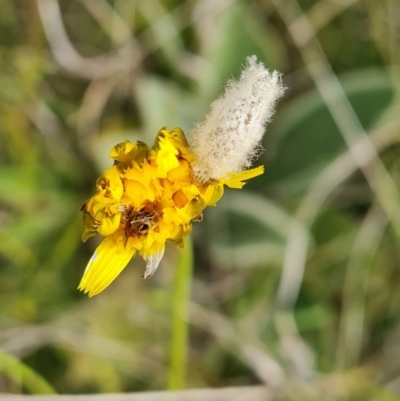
x=18, y=372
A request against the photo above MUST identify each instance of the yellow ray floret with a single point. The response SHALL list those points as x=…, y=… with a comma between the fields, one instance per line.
x=149, y=196
x=104, y=266
x=235, y=180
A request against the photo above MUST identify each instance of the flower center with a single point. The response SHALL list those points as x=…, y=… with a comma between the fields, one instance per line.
x=139, y=222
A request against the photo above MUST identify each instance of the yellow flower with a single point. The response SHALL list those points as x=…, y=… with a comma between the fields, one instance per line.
x=152, y=195
x=149, y=196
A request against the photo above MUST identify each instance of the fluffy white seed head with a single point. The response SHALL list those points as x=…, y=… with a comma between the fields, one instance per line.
x=229, y=138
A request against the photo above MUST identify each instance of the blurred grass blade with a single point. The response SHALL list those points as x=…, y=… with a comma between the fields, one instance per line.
x=302, y=150
x=18, y=372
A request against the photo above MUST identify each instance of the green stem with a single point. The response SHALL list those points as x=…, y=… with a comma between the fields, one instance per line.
x=180, y=310
x=17, y=371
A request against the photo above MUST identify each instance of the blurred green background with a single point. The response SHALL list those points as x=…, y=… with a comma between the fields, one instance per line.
x=297, y=278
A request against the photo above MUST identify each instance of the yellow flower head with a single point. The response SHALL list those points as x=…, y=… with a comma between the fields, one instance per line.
x=152, y=195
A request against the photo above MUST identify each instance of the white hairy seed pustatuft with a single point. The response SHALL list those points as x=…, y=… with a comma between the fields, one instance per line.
x=229, y=138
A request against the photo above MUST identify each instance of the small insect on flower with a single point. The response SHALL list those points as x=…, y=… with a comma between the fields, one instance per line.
x=152, y=195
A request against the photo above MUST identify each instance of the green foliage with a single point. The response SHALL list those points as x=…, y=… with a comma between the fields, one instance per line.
x=23, y=375
x=296, y=277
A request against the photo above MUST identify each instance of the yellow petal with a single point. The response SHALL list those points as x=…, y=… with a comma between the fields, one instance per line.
x=180, y=243
x=104, y=266
x=166, y=157
x=181, y=231
x=90, y=226
x=109, y=224
x=124, y=151
x=116, y=187
x=235, y=180
x=213, y=193
x=179, y=140
x=136, y=194
x=196, y=206
x=181, y=174
x=180, y=199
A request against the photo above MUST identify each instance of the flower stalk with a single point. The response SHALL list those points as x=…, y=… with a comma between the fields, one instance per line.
x=180, y=316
